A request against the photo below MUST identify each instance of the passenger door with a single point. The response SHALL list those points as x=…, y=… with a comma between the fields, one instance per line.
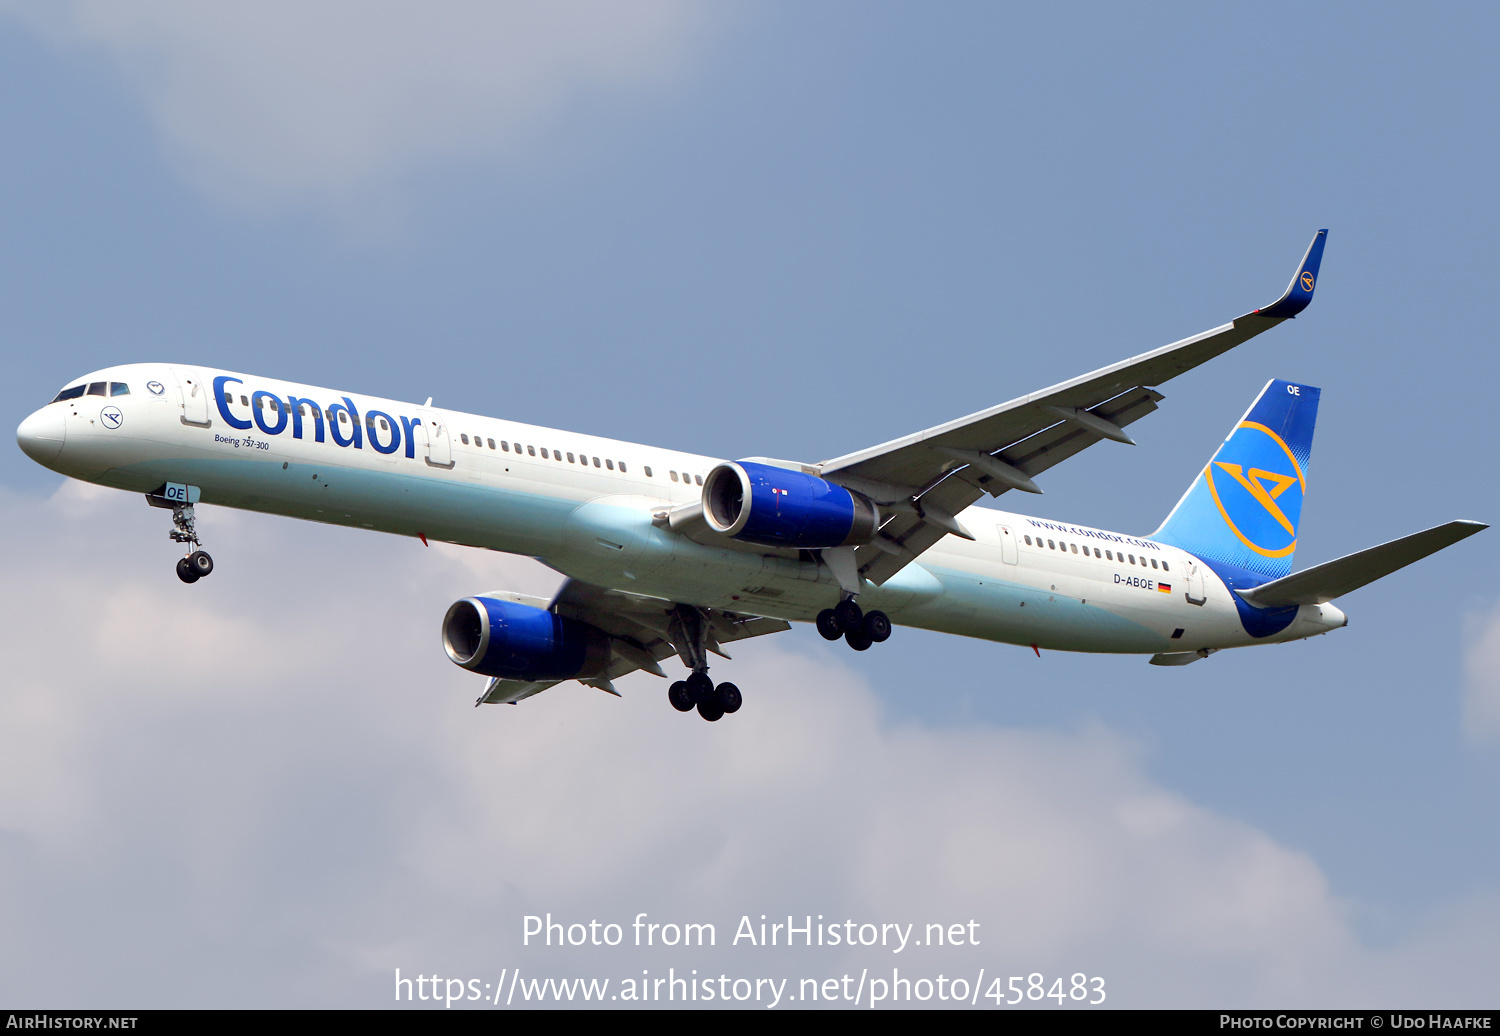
x=1194, y=592
x=1009, y=552
x=439, y=446
x=194, y=396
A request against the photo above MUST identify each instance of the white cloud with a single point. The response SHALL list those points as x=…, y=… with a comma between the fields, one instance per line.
x=1482, y=677
x=270, y=789
x=332, y=102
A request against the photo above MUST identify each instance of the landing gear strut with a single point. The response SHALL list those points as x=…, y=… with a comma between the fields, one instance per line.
x=857, y=626
x=180, y=499
x=693, y=637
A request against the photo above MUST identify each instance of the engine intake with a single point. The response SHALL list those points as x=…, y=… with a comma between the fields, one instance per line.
x=777, y=507
x=516, y=641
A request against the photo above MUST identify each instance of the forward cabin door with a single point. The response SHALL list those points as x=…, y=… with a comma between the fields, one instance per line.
x=439, y=446
x=194, y=396
x=1009, y=552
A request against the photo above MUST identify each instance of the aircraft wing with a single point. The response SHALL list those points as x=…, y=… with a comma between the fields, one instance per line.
x=642, y=631
x=929, y=476
x=1322, y=583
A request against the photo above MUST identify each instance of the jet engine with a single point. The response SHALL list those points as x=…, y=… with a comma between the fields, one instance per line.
x=518, y=642
x=778, y=507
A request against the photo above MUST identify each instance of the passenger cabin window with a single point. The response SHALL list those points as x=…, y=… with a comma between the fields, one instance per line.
x=673, y=474
x=97, y=388
x=70, y=393
x=504, y=445
x=491, y=442
x=1153, y=562
x=1096, y=553
x=1052, y=544
x=622, y=465
x=1028, y=541
x=699, y=478
x=609, y=464
x=531, y=451
x=596, y=462
x=1165, y=567
x=570, y=459
x=647, y=470
x=464, y=437
x=1075, y=547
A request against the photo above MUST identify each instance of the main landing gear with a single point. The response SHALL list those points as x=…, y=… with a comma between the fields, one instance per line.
x=694, y=639
x=179, y=498
x=857, y=626
x=698, y=692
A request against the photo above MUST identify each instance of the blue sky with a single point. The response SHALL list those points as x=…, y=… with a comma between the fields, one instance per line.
x=764, y=229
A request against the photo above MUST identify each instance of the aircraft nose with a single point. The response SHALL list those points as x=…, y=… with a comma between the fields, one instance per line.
x=41, y=435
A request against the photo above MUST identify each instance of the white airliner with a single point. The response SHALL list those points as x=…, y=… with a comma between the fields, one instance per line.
x=668, y=553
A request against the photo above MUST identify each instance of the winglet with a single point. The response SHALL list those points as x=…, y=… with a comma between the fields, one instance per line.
x=1300, y=292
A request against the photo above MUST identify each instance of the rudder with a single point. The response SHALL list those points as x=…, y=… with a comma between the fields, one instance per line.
x=1245, y=506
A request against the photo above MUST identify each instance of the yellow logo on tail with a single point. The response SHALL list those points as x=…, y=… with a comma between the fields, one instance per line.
x=1256, y=484
x=1265, y=487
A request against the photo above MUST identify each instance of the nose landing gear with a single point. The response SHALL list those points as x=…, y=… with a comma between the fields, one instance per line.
x=195, y=566
x=180, y=499
x=857, y=626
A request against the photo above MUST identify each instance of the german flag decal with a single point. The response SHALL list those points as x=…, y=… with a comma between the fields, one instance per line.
x=1165, y=588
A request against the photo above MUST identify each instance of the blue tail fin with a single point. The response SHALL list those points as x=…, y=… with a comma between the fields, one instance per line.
x=1244, y=507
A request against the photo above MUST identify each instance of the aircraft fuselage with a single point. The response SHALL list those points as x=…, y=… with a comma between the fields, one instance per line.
x=593, y=508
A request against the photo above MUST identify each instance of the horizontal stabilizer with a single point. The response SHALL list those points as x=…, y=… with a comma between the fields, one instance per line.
x=1322, y=583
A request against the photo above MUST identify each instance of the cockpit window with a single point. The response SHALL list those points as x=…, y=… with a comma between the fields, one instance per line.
x=97, y=388
x=119, y=388
x=70, y=393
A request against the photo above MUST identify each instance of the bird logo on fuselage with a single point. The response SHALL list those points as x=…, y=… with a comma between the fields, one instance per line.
x=1261, y=500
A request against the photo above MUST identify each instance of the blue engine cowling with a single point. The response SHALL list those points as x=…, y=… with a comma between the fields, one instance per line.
x=778, y=507
x=519, y=642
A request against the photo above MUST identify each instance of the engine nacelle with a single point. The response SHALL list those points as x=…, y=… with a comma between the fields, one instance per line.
x=519, y=642
x=778, y=507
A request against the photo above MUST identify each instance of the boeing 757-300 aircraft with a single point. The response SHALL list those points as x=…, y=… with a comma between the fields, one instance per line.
x=667, y=553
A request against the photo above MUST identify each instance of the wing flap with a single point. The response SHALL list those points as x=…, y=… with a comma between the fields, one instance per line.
x=500, y=691
x=1322, y=583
